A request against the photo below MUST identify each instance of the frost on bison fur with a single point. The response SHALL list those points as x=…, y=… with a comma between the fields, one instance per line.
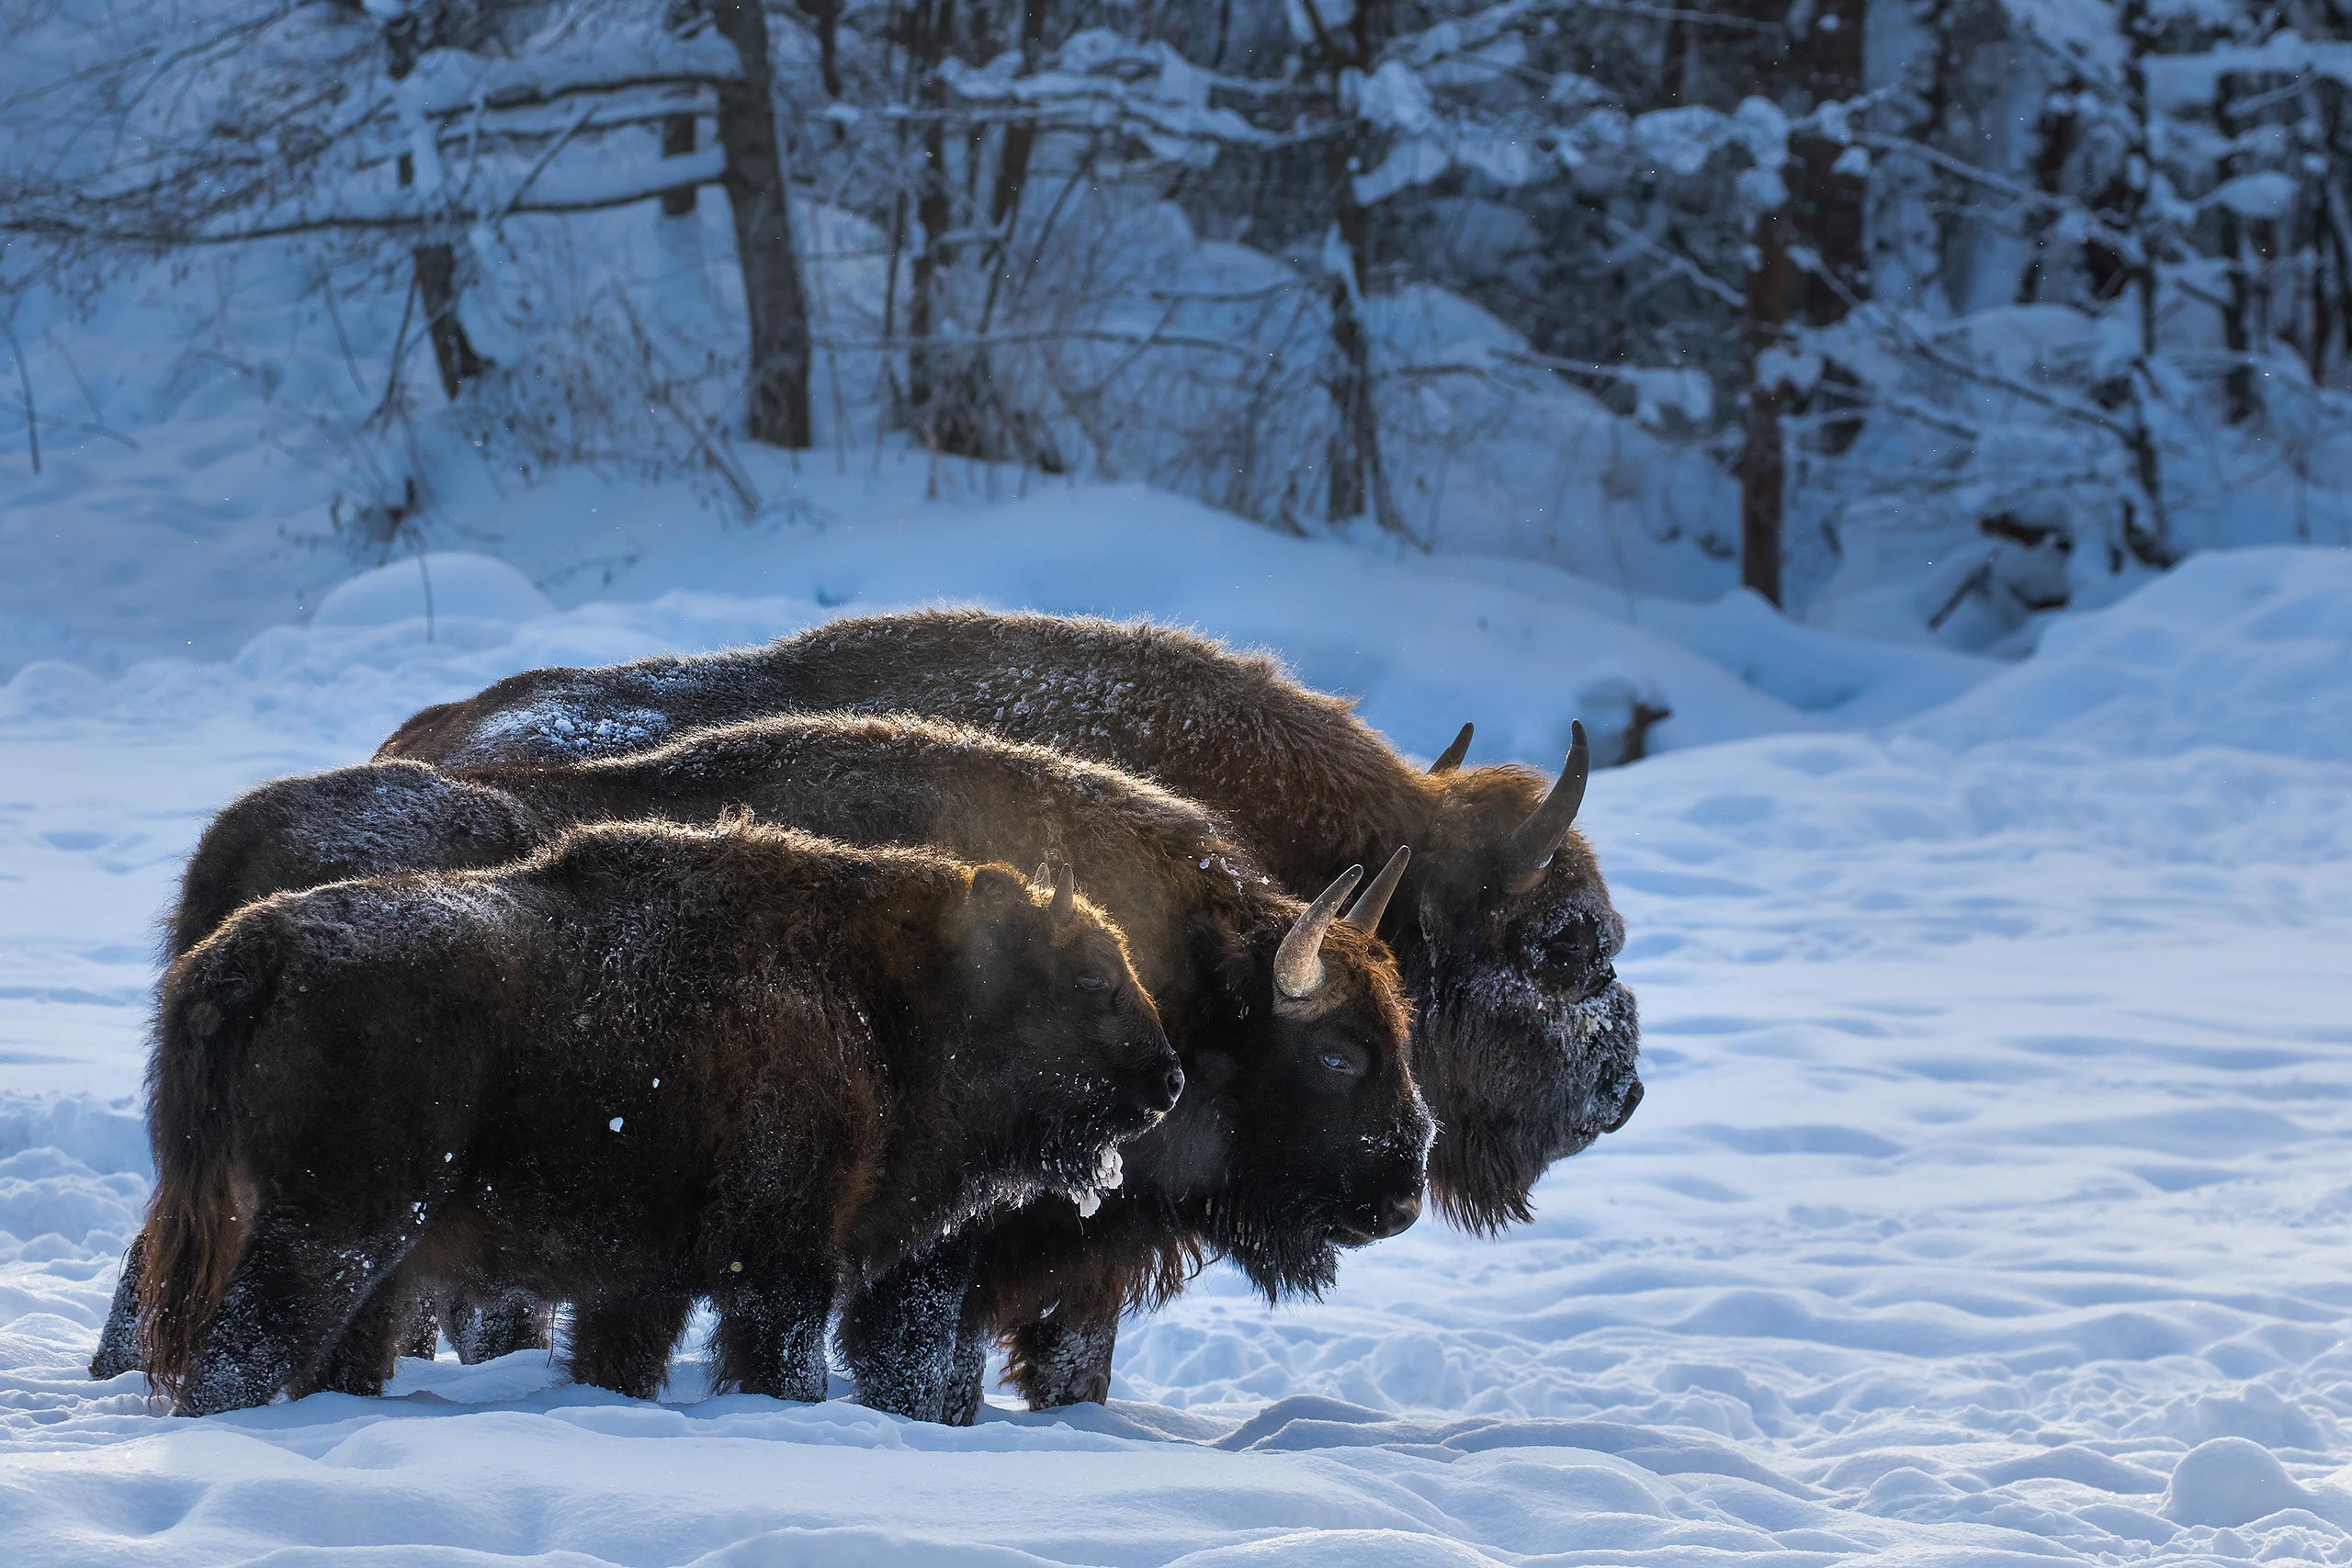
x=1503, y=927
x=1303, y=1130
x=646, y=1065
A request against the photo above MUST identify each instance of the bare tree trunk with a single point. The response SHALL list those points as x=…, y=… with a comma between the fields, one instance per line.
x=826, y=16
x=2239, y=330
x=677, y=141
x=1355, y=482
x=1763, y=458
x=1826, y=207
x=1358, y=482
x=2055, y=133
x=2147, y=530
x=927, y=48
x=1020, y=136
x=434, y=262
x=776, y=384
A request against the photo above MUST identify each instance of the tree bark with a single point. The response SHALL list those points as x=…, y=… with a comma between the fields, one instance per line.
x=776, y=383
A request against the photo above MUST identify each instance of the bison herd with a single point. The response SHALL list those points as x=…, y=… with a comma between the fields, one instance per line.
x=713, y=979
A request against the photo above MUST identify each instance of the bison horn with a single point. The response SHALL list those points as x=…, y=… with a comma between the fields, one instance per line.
x=1298, y=963
x=1366, y=910
x=1530, y=843
x=1451, y=758
x=1066, y=896
x=1044, y=876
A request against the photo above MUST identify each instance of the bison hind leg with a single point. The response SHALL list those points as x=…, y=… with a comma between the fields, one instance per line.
x=361, y=1359
x=623, y=1342
x=421, y=1336
x=290, y=1296
x=1063, y=1359
x=485, y=1324
x=967, y=1371
x=119, y=1340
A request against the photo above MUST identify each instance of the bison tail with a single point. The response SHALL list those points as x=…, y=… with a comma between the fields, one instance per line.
x=213, y=1000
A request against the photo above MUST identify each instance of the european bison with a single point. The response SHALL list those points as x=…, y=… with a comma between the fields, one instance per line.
x=1503, y=929
x=646, y=1065
x=1303, y=1129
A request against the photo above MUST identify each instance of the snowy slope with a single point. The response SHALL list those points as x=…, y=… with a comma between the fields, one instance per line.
x=1988, y=1206
x=1523, y=649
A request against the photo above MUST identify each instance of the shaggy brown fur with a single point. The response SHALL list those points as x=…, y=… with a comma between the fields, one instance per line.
x=645, y=1065
x=1272, y=1158
x=1527, y=1046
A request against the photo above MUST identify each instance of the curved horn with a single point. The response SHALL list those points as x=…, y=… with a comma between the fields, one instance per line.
x=1451, y=758
x=1066, y=896
x=1298, y=963
x=1366, y=911
x=1532, y=843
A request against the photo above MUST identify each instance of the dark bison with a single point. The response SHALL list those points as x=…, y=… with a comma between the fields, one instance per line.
x=1303, y=1131
x=646, y=1065
x=1503, y=929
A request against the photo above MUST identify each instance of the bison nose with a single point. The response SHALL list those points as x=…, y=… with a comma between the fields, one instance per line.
x=1156, y=1097
x=1625, y=1110
x=1397, y=1214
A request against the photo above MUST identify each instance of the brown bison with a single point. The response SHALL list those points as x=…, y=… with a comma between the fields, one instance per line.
x=646, y=1065
x=1303, y=1130
x=1503, y=929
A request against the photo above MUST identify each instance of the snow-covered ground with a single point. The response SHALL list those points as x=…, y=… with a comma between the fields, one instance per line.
x=1989, y=1206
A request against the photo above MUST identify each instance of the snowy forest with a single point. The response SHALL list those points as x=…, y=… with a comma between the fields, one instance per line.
x=1677, y=672
x=1923, y=316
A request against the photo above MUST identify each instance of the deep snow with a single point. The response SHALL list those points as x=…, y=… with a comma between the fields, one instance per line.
x=1988, y=1206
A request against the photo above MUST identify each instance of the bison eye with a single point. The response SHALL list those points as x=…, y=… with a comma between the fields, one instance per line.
x=1342, y=1062
x=1092, y=983
x=1572, y=952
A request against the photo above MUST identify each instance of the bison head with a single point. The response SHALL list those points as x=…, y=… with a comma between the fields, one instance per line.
x=1527, y=1040
x=1045, y=977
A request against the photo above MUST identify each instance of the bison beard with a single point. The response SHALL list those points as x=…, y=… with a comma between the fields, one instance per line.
x=1502, y=928
x=646, y=1065
x=1268, y=1158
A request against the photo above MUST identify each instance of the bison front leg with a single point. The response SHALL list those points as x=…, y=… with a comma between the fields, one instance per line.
x=289, y=1297
x=1063, y=1359
x=119, y=1340
x=899, y=1334
x=623, y=1343
x=771, y=1332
